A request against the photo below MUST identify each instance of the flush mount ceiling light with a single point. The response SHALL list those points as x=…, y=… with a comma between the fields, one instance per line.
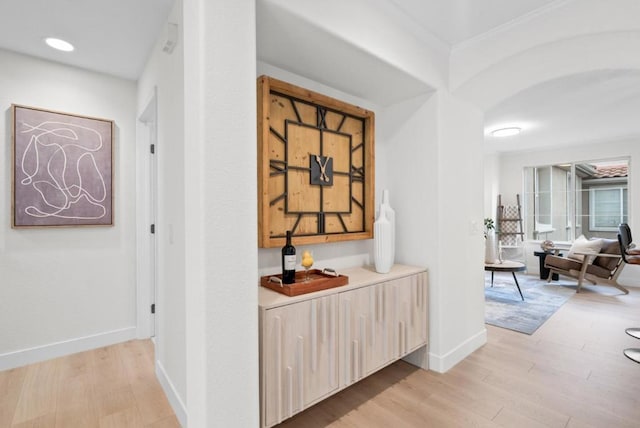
x=59, y=44
x=506, y=132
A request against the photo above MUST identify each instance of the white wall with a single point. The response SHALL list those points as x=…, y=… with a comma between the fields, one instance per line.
x=163, y=74
x=429, y=141
x=459, y=302
x=70, y=285
x=491, y=180
x=221, y=213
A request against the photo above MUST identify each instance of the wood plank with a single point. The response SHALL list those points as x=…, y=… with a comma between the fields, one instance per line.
x=509, y=418
x=75, y=403
x=166, y=422
x=44, y=421
x=39, y=392
x=77, y=391
x=129, y=418
x=11, y=382
x=152, y=404
x=461, y=378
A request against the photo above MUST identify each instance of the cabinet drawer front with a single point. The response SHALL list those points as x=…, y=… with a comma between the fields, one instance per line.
x=300, y=363
x=410, y=302
x=366, y=336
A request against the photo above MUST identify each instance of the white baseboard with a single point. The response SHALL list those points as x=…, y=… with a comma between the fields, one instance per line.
x=172, y=395
x=442, y=363
x=37, y=354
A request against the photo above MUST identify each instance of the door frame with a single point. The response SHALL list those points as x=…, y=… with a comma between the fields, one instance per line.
x=146, y=214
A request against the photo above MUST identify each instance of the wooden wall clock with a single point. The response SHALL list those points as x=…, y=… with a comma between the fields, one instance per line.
x=315, y=167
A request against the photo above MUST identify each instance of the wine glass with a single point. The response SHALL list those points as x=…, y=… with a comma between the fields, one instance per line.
x=307, y=262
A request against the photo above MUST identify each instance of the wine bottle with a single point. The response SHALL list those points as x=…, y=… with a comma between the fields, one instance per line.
x=288, y=261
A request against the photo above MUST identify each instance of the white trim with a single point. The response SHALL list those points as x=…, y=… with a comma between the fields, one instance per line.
x=37, y=354
x=143, y=256
x=442, y=363
x=496, y=31
x=177, y=404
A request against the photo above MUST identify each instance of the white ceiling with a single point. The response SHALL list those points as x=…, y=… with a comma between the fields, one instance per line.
x=110, y=36
x=590, y=107
x=454, y=21
x=115, y=37
x=278, y=31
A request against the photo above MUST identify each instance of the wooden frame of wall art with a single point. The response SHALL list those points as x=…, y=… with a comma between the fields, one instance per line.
x=62, y=169
x=315, y=166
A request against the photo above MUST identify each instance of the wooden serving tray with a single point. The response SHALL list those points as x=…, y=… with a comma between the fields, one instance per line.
x=318, y=280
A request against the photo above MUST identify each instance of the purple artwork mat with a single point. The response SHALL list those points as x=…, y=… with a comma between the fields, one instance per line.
x=62, y=169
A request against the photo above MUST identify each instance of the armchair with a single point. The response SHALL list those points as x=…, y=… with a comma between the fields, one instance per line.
x=601, y=266
x=629, y=253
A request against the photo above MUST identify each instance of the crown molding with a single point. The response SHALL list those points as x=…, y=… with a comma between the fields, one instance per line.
x=502, y=28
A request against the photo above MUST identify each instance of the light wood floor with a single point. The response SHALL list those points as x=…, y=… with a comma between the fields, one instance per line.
x=570, y=373
x=107, y=387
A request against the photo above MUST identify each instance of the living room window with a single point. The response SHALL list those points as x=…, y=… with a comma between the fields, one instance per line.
x=607, y=208
x=567, y=200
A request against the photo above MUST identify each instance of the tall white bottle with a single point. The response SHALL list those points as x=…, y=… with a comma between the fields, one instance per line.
x=384, y=236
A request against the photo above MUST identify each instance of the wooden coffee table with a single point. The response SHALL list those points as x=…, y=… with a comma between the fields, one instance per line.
x=506, y=266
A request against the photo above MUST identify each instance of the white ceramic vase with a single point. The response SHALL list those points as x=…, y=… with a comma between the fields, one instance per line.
x=490, y=247
x=384, y=236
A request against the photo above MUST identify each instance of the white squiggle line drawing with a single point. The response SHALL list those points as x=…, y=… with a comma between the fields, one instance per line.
x=56, y=181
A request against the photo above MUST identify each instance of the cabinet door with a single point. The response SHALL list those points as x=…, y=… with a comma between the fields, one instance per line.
x=366, y=329
x=410, y=313
x=299, y=356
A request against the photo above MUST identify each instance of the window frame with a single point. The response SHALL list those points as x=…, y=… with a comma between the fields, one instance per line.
x=592, y=203
x=579, y=182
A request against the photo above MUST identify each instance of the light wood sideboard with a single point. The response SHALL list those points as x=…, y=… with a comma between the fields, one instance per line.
x=316, y=344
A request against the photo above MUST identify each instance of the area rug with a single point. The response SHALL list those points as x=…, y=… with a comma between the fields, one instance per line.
x=504, y=308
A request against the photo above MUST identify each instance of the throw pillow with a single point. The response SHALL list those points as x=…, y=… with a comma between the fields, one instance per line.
x=584, y=245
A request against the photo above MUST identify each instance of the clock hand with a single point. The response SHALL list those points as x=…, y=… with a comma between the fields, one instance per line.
x=323, y=175
x=324, y=170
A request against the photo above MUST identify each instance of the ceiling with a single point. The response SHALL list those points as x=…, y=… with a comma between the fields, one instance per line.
x=583, y=108
x=110, y=36
x=115, y=37
x=455, y=21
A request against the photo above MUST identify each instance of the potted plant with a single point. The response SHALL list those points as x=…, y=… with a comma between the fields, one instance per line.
x=488, y=226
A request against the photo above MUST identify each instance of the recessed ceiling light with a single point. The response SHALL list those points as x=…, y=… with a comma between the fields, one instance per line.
x=59, y=44
x=506, y=132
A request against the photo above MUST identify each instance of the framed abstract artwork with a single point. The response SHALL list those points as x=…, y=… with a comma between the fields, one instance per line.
x=315, y=166
x=62, y=169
